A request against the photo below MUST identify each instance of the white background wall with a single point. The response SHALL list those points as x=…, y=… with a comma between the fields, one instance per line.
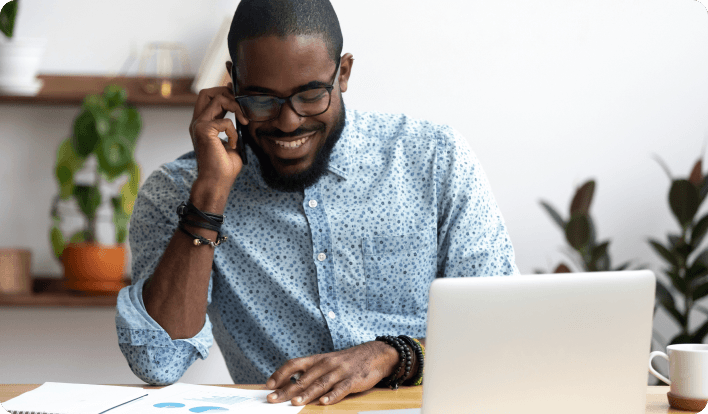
x=548, y=93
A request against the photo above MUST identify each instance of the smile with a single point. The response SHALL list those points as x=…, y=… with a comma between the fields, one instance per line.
x=293, y=144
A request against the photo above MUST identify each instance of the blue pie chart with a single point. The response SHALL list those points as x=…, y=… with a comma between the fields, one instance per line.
x=207, y=409
x=169, y=405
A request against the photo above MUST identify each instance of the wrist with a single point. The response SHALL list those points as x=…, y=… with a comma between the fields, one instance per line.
x=209, y=197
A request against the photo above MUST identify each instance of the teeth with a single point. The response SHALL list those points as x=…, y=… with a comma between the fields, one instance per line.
x=294, y=144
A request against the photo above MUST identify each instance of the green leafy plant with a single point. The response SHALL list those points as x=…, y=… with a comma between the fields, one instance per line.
x=588, y=254
x=686, y=266
x=8, y=14
x=108, y=128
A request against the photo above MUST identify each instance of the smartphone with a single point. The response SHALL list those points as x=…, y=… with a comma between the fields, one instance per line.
x=240, y=144
x=239, y=141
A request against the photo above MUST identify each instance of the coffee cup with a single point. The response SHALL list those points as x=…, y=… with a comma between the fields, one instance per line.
x=688, y=370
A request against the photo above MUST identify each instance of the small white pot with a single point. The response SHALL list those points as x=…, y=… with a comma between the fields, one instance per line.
x=19, y=63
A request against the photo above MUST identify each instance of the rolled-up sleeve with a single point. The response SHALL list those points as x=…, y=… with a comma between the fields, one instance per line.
x=151, y=354
x=472, y=237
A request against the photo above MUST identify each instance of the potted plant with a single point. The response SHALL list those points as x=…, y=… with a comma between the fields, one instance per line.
x=19, y=57
x=106, y=128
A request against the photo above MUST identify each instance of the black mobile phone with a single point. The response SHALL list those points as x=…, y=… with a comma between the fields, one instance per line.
x=240, y=144
x=239, y=141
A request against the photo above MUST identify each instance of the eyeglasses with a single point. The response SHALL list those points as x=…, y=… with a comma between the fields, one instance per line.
x=310, y=102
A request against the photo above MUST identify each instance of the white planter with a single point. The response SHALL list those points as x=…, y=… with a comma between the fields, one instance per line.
x=19, y=63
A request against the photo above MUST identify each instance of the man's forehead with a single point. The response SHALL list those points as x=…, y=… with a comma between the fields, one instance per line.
x=283, y=60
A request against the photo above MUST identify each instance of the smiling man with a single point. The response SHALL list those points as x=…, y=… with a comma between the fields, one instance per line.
x=309, y=264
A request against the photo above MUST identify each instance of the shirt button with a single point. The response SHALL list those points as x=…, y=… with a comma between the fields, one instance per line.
x=313, y=203
x=321, y=257
x=331, y=315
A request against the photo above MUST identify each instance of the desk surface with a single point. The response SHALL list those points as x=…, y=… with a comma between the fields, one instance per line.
x=377, y=399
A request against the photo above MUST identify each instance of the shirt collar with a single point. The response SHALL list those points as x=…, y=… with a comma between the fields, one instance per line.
x=339, y=161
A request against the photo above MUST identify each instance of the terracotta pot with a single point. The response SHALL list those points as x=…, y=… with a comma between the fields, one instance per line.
x=15, y=277
x=93, y=267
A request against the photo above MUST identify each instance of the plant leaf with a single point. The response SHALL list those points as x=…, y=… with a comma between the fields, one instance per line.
x=664, y=252
x=562, y=268
x=554, y=214
x=582, y=199
x=696, y=271
x=113, y=157
x=677, y=281
x=623, y=266
x=577, y=231
x=85, y=135
x=684, y=201
x=699, y=231
x=68, y=163
x=696, y=176
x=79, y=236
x=703, y=189
x=599, y=253
x=57, y=239
x=8, y=14
x=120, y=219
x=697, y=337
x=129, y=191
x=666, y=300
x=114, y=95
x=88, y=198
x=681, y=339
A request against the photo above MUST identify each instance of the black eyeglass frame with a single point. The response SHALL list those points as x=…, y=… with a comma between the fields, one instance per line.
x=288, y=99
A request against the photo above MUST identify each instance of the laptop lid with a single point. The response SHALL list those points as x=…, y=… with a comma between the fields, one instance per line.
x=555, y=343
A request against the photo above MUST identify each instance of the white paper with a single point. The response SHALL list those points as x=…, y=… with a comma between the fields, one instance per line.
x=57, y=397
x=187, y=398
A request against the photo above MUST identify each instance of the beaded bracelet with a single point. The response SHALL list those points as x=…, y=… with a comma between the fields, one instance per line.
x=394, y=380
x=418, y=379
x=416, y=347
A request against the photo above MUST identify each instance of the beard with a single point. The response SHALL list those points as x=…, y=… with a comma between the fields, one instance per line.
x=299, y=181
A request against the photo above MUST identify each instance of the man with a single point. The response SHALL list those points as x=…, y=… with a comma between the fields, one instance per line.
x=334, y=229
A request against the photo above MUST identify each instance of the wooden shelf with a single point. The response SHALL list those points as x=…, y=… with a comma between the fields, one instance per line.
x=71, y=90
x=51, y=292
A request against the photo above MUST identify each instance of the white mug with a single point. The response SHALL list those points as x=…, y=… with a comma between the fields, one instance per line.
x=688, y=370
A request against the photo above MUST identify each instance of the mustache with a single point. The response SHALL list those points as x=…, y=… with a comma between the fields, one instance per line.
x=276, y=133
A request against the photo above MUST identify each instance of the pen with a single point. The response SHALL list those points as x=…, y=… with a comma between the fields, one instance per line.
x=134, y=399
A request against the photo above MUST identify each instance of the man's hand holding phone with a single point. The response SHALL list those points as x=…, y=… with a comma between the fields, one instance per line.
x=218, y=162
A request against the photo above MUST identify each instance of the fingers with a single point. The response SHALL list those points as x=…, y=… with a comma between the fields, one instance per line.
x=339, y=391
x=281, y=377
x=322, y=386
x=206, y=96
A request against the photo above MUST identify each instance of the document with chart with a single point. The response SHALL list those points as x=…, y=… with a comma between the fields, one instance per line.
x=187, y=398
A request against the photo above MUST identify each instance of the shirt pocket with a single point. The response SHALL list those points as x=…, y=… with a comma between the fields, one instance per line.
x=399, y=270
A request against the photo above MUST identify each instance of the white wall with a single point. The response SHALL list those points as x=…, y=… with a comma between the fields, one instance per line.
x=548, y=93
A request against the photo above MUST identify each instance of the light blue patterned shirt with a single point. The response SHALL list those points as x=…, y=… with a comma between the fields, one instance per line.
x=350, y=258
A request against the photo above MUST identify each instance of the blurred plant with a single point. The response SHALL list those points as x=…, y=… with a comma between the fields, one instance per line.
x=687, y=268
x=579, y=230
x=8, y=13
x=108, y=128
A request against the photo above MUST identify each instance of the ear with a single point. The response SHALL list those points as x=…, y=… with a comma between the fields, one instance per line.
x=345, y=70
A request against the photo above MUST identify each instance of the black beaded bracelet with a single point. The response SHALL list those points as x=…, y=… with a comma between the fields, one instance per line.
x=419, y=357
x=393, y=381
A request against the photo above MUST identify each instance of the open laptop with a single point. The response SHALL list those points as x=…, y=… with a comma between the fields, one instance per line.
x=562, y=343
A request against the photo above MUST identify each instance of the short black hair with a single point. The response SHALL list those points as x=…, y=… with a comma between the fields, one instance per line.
x=282, y=18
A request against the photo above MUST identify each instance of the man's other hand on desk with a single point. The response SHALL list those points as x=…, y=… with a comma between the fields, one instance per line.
x=332, y=376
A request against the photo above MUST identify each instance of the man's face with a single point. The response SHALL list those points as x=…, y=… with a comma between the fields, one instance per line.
x=280, y=67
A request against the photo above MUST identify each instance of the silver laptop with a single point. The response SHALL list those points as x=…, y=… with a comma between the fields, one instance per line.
x=562, y=343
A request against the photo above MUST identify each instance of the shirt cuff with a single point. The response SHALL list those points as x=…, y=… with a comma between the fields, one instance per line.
x=136, y=327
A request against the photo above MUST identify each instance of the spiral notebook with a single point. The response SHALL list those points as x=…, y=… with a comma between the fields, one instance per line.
x=63, y=398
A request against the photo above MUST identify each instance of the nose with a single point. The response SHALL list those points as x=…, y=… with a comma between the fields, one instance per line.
x=288, y=120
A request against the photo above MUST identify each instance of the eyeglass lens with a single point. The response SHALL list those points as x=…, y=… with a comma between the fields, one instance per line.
x=306, y=103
